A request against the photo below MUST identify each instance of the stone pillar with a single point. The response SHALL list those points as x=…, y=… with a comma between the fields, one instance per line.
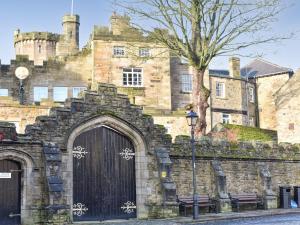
x=224, y=204
x=234, y=67
x=269, y=197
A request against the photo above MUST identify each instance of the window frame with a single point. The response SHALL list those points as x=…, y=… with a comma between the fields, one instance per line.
x=119, y=51
x=227, y=120
x=223, y=94
x=60, y=100
x=82, y=89
x=130, y=75
x=6, y=92
x=251, y=122
x=251, y=94
x=144, y=50
x=46, y=89
x=186, y=83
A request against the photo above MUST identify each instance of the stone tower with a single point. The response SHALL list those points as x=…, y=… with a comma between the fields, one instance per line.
x=38, y=46
x=69, y=41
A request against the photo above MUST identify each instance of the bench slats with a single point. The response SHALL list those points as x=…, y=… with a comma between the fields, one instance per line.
x=203, y=201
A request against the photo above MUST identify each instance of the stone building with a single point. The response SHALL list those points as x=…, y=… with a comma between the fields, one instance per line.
x=268, y=79
x=144, y=70
x=60, y=171
x=41, y=46
x=287, y=110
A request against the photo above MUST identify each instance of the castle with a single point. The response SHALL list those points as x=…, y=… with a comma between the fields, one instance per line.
x=146, y=71
x=94, y=147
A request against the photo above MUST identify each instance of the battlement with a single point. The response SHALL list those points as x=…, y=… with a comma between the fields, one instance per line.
x=71, y=19
x=47, y=36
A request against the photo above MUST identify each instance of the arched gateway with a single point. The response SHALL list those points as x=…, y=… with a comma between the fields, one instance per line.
x=10, y=192
x=108, y=159
x=103, y=175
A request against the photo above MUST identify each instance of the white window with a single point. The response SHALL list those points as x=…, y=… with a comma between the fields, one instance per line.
x=225, y=118
x=3, y=92
x=251, y=122
x=132, y=77
x=77, y=90
x=144, y=52
x=220, y=90
x=60, y=94
x=186, y=83
x=251, y=94
x=119, y=51
x=39, y=93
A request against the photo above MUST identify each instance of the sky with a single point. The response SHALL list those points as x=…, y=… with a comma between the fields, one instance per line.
x=46, y=15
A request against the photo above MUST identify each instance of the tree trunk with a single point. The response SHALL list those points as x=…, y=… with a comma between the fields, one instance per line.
x=200, y=100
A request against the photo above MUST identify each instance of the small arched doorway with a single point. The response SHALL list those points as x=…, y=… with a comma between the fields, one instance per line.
x=104, y=182
x=10, y=192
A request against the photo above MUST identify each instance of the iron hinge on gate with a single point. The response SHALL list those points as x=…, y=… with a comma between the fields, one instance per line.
x=127, y=153
x=128, y=207
x=11, y=215
x=79, y=152
x=79, y=209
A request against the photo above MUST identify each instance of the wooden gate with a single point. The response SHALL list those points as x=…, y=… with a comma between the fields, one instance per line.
x=10, y=193
x=103, y=176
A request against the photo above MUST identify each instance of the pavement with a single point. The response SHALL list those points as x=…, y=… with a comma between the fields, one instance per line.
x=209, y=218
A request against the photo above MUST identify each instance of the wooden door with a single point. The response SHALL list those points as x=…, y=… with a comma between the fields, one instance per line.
x=103, y=176
x=10, y=192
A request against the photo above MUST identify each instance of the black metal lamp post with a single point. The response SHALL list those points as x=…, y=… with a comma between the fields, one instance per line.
x=192, y=119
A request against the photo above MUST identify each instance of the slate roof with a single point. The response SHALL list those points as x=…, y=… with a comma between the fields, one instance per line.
x=221, y=73
x=257, y=68
x=260, y=67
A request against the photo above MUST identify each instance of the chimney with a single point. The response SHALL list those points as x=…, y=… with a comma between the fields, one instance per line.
x=118, y=23
x=234, y=67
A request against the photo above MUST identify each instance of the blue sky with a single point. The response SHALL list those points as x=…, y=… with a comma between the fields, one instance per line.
x=46, y=15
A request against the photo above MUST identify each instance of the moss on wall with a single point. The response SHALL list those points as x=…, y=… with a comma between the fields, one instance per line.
x=251, y=133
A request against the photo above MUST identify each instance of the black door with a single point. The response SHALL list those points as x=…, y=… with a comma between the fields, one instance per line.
x=10, y=192
x=104, y=176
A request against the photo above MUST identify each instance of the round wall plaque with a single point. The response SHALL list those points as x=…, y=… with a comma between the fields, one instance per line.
x=22, y=72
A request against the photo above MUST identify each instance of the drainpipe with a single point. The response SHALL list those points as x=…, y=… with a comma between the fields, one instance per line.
x=211, y=102
x=256, y=104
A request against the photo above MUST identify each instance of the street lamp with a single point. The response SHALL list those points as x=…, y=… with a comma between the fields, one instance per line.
x=192, y=119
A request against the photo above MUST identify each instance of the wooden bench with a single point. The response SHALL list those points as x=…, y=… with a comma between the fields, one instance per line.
x=203, y=201
x=245, y=198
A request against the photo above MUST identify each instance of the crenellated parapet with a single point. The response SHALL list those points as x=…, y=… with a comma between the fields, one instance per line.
x=32, y=36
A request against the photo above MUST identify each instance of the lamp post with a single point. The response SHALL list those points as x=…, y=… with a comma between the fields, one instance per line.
x=192, y=119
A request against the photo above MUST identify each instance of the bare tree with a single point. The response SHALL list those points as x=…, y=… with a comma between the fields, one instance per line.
x=200, y=30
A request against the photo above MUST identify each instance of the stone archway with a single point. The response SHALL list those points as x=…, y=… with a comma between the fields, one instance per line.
x=27, y=166
x=141, y=170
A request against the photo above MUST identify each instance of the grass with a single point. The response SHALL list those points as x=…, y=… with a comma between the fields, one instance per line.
x=251, y=133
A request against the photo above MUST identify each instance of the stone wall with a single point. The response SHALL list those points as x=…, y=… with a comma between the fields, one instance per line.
x=74, y=72
x=21, y=115
x=155, y=91
x=287, y=110
x=38, y=46
x=266, y=88
x=243, y=164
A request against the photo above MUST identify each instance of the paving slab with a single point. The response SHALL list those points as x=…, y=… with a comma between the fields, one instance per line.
x=202, y=218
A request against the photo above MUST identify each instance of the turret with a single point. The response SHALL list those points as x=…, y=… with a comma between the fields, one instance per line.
x=69, y=43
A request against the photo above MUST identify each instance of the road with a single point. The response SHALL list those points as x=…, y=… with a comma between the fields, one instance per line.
x=290, y=219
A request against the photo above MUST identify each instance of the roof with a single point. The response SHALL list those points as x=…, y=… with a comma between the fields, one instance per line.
x=260, y=67
x=221, y=73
